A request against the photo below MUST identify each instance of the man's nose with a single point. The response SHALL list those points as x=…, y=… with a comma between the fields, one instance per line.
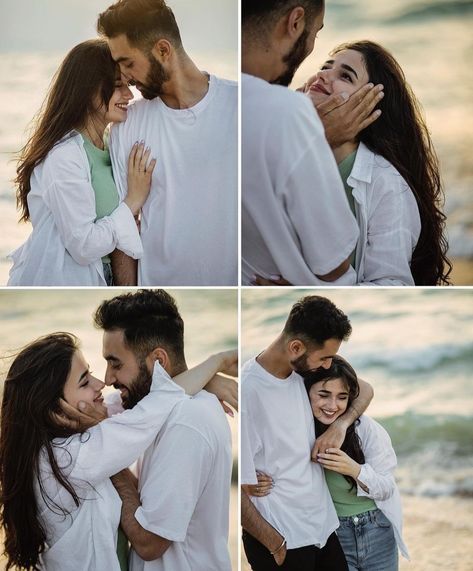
x=109, y=377
x=327, y=364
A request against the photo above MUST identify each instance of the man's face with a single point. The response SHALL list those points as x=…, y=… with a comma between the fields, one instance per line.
x=140, y=69
x=124, y=371
x=316, y=358
x=302, y=47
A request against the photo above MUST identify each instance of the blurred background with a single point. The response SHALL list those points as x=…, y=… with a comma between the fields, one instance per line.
x=433, y=42
x=211, y=325
x=35, y=37
x=415, y=347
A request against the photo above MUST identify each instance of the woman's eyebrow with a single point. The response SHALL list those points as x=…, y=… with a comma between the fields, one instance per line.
x=350, y=69
x=84, y=374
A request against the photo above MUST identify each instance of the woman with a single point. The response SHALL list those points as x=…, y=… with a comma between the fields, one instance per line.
x=59, y=508
x=390, y=173
x=359, y=475
x=65, y=182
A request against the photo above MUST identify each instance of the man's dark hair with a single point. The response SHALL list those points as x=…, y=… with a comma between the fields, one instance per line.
x=143, y=22
x=315, y=319
x=149, y=319
x=263, y=14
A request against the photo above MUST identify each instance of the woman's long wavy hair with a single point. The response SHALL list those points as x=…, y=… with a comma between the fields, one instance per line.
x=401, y=136
x=33, y=386
x=340, y=369
x=84, y=81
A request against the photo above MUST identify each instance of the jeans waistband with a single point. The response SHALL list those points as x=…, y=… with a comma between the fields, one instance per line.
x=360, y=519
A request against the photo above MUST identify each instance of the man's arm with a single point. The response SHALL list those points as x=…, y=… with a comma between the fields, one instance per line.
x=124, y=269
x=334, y=436
x=255, y=524
x=148, y=545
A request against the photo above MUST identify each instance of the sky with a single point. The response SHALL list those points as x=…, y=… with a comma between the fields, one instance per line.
x=50, y=25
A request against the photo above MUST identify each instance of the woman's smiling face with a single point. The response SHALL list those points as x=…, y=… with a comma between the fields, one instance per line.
x=345, y=71
x=328, y=399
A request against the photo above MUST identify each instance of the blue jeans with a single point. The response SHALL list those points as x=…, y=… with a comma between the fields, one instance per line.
x=368, y=542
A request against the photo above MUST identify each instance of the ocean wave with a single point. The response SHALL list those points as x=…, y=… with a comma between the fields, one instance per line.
x=431, y=11
x=435, y=454
x=402, y=360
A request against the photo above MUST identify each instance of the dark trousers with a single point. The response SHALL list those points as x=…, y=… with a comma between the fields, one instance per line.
x=308, y=558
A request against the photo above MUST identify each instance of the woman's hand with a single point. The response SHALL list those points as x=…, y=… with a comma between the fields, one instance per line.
x=338, y=461
x=80, y=420
x=226, y=390
x=228, y=362
x=262, y=488
x=139, y=177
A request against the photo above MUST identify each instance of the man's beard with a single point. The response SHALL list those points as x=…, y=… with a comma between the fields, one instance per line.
x=139, y=388
x=293, y=60
x=157, y=76
x=300, y=366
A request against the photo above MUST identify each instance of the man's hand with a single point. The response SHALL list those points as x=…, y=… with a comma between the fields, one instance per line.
x=333, y=437
x=338, y=461
x=344, y=118
x=79, y=420
x=272, y=281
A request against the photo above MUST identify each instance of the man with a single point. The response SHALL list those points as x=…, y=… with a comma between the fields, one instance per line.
x=296, y=221
x=178, y=516
x=295, y=524
x=189, y=120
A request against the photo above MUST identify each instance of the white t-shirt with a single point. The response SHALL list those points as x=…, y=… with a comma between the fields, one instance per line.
x=189, y=222
x=86, y=539
x=277, y=436
x=184, y=484
x=296, y=220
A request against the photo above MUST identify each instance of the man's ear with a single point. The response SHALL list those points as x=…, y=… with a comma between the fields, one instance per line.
x=158, y=354
x=296, y=347
x=296, y=22
x=162, y=50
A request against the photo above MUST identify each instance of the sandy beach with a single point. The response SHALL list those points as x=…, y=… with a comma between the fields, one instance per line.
x=438, y=533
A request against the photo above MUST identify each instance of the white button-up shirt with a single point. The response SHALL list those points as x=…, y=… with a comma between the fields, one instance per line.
x=67, y=242
x=86, y=538
x=388, y=217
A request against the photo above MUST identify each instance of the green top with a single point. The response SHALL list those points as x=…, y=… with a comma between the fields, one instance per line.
x=106, y=194
x=345, y=168
x=122, y=550
x=346, y=502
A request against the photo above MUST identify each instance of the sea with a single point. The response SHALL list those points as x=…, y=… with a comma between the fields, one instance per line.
x=415, y=347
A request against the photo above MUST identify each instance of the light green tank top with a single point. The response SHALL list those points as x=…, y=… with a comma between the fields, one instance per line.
x=345, y=168
x=122, y=550
x=106, y=194
x=346, y=502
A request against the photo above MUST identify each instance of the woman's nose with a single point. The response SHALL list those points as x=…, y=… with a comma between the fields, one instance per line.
x=127, y=93
x=97, y=384
x=324, y=75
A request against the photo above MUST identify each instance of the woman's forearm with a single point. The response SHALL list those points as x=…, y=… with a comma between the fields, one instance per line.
x=193, y=380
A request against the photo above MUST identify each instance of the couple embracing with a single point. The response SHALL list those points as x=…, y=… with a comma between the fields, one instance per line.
x=155, y=203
